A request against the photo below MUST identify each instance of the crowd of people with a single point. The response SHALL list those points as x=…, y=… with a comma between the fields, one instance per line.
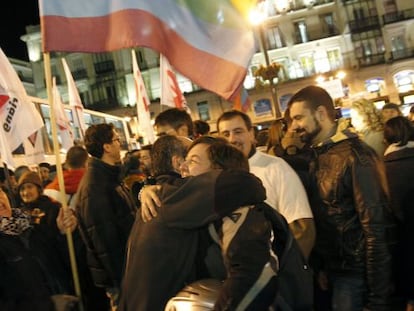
x=196, y=206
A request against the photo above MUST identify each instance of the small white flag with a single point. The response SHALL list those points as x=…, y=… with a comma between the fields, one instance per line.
x=171, y=94
x=62, y=121
x=74, y=99
x=18, y=115
x=144, y=117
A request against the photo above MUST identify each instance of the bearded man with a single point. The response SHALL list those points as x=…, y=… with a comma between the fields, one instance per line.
x=350, y=206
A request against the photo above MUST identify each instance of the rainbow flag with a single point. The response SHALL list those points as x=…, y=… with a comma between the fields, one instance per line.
x=210, y=42
x=241, y=100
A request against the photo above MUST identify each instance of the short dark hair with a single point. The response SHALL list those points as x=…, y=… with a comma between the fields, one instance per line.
x=76, y=157
x=175, y=118
x=226, y=156
x=222, y=154
x=231, y=114
x=201, y=127
x=398, y=130
x=314, y=96
x=20, y=170
x=206, y=139
x=391, y=106
x=96, y=136
x=163, y=150
x=45, y=164
x=146, y=147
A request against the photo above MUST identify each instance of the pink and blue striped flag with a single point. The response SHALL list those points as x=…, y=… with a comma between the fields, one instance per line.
x=210, y=42
x=241, y=100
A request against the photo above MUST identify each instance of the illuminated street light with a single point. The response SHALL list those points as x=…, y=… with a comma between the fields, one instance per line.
x=320, y=79
x=257, y=17
x=340, y=75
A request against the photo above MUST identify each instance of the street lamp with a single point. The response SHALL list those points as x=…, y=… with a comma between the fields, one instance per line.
x=257, y=18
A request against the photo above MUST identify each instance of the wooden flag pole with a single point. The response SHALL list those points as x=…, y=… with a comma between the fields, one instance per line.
x=59, y=171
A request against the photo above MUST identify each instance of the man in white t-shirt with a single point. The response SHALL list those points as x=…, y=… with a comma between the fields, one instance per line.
x=284, y=190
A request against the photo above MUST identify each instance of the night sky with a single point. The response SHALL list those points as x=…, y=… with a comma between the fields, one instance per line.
x=16, y=15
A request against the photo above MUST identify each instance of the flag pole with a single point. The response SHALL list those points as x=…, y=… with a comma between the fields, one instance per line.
x=59, y=171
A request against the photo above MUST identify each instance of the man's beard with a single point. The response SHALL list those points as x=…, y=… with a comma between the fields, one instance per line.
x=306, y=137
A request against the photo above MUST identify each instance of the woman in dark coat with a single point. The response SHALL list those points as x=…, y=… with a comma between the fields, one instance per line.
x=22, y=283
x=399, y=164
x=47, y=236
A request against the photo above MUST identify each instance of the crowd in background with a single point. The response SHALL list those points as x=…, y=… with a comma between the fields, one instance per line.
x=342, y=185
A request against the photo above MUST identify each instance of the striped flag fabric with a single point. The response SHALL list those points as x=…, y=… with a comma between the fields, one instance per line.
x=74, y=99
x=62, y=121
x=18, y=115
x=242, y=100
x=5, y=152
x=171, y=94
x=144, y=116
x=210, y=42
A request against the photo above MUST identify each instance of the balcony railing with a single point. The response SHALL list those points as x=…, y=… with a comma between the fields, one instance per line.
x=103, y=104
x=315, y=35
x=104, y=67
x=368, y=23
x=26, y=79
x=371, y=60
x=401, y=54
x=80, y=74
x=398, y=16
x=300, y=5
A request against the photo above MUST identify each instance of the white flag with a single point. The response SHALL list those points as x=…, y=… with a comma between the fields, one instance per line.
x=62, y=121
x=144, y=117
x=5, y=152
x=33, y=149
x=74, y=99
x=18, y=115
x=171, y=94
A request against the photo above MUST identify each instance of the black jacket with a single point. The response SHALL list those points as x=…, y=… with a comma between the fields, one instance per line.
x=400, y=174
x=106, y=214
x=162, y=252
x=22, y=285
x=352, y=214
x=49, y=245
x=31, y=264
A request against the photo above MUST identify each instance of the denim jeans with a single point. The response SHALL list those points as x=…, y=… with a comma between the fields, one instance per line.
x=348, y=293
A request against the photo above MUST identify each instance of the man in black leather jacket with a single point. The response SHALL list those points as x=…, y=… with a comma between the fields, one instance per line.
x=105, y=210
x=350, y=206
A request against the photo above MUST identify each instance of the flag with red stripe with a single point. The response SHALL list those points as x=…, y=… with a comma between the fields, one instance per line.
x=18, y=115
x=144, y=116
x=209, y=42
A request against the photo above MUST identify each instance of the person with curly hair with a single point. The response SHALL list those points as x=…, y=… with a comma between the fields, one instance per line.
x=366, y=120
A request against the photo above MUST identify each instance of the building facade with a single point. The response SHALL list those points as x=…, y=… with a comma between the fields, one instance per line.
x=351, y=47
